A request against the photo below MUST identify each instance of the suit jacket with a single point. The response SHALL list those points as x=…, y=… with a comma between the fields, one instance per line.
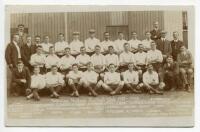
x=155, y=35
x=174, y=67
x=164, y=46
x=185, y=57
x=25, y=74
x=27, y=52
x=22, y=39
x=176, y=48
x=11, y=54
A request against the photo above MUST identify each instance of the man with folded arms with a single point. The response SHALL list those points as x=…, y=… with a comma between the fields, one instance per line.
x=184, y=59
x=73, y=79
x=51, y=59
x=89, y=80
x=61, y=45
x=112, y=82
x=38, y=59
x=119, y=43
x=91, y=42
x=66, y=62
x=54, y=81
x=106, y=43
x=111, y=57
x=147, y=41
x=125, y=58
x=134, y=42
x=45, y=45
x=131, y=79
x=82, y=59
x=151, y=81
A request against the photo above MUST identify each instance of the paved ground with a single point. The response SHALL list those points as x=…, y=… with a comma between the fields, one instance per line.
x=127, y=105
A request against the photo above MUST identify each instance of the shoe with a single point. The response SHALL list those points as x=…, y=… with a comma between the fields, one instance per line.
x=52, y=96
x=72, y=94
x=89, y=94
x=76, y=94
x=112, y=93
x=94, y=94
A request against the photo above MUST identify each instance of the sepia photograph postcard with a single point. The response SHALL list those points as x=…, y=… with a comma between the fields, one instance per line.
x=92, y=65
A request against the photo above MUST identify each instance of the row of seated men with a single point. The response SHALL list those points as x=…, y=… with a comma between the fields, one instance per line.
x=133, y=66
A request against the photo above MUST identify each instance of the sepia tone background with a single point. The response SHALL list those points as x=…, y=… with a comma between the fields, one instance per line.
x=126, y=21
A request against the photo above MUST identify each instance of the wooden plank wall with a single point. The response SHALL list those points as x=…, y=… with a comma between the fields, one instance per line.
x=142, y=21
x=41, y=24
x=54, y=23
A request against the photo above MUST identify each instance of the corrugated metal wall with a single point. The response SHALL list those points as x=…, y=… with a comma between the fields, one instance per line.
x=142, y=21
x=54, y=23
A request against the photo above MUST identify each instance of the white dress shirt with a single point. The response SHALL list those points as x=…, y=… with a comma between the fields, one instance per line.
x=45, y=46
x=18, y=50
x=90, y=76
x=52, y=60
x=83, y=59
x=134, y=43
x=105, y=44
x=75, y=46
x=90, y=44
x=119, y=45
x=140, y=58
x=127, y=57
x=147, y=43
x=98, y=59
x=131, y=77
x=111, y=78
x=150, y=78
x=60, y=46
x=154, y=56
x=38, y=81
x=67, y=62
x=112, y=59
x=52, y=79
x=38, y=59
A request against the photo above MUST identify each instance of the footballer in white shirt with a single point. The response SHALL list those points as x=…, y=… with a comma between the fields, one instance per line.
x=147, y=41
x=37, y=83
x=112, y=81
x=111, y=58
x=73, y=78
x=82, y=59
x=151, y=81
x=134, y=42
x=54, y=81
x=91, y=42
x=45, y=45
x=131, y=79
x=61, y=45
x=119, y=43
x=51, y=59
x=90, y=79
x=106, y=43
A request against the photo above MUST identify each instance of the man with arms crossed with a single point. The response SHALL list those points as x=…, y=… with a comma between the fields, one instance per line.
x=112, y=82
x=54, y=81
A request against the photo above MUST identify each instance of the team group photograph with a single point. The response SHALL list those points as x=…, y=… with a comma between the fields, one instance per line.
x=94, y=67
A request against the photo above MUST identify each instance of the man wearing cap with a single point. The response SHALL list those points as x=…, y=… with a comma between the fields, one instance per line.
x=176, y=44
x=147, y=41
x=119, y=43
x=13, y=52
x=22, y=34
x=156, y=32
x=164, y=45
x=134, y=42
x=66, y=61
x=91, y=42
x=60, y=45
x=76, y=44
x=184, y=60
x=106, y=43
x=45, y=45
x=20, y=79
x=83, y=59
x=27, y=50
x=171, y=74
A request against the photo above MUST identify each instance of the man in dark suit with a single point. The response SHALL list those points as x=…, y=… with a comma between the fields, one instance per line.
x=164, y=45
x=20, y=83
x=22, y=34
x=13, y=52
x=27, y=50
x=155, y=33
x=175, y=45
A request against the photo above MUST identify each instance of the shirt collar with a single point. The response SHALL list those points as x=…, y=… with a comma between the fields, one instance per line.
x=15, y=43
